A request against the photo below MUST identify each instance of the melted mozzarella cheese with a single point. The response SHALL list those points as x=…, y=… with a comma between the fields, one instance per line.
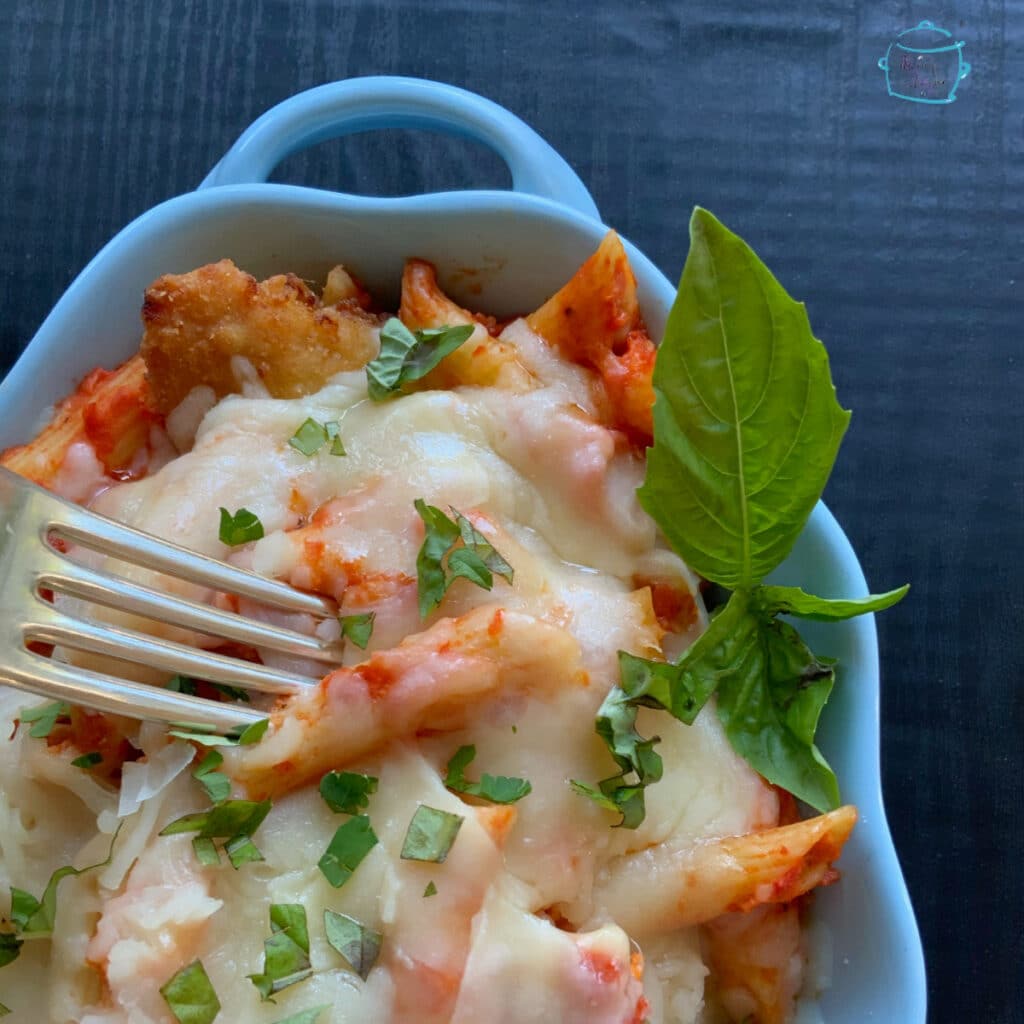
x=513, y=932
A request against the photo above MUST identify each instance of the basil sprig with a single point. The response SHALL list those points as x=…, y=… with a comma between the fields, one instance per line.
x=746, y=431
x=407, y=356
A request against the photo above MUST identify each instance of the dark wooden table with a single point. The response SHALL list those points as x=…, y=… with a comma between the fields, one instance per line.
x=899, y=223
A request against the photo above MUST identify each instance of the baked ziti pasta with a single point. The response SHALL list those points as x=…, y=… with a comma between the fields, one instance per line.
x=404, y=843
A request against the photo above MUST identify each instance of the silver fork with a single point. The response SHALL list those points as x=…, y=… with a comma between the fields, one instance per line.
x=30, y=519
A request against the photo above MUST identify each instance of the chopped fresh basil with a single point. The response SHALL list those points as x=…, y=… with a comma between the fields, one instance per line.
x=233, y=821
x=232, y=692
x=286, y=952
x=639, y=763
x=190, y=996
x=313, y=435
x=347, y=792
x=309, y=1016
x=242, y=850
x=87, y=761
x=499, y=789
x=230, y=818
x=216, y=784
x=439, y=562
x=192, y=733
x=181, y=684
x=10, y=947
x=358, y=628
x=205, y=736
x=407, y=356
x=31, y=916
x=359, y=945
x=187, y=685
x=253, y=733
x=239, y=528
x=206, y=851
x=430, y=835
x=345, y=852
x=431, y=890
x=44, y=717
x=746, y=430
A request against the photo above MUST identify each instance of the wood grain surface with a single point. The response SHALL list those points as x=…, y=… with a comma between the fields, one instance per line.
x=899, y=223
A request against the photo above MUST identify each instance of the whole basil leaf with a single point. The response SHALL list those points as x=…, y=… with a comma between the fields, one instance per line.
x=746, y=422
x=774, y=600
x=771, y=689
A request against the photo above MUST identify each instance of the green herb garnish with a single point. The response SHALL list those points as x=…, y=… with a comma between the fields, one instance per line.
x=430, y=835
x=746, y=430
x=431, y=890
x=312, y=436
x=357, y=944
x=233, y=821
x=216, y=784
x=407, y=356
x=31, y=916
x=309, y=1016
x=239, y=528
x=44, y=717
x=286, y=952
x=358, y=628
x=499, y=789
x=87, y=761
x=10, y=947
x=345, y=852
x=187, y=685
x=207, y=737
x=347, y=792
x=190, y=996
x=440, y=562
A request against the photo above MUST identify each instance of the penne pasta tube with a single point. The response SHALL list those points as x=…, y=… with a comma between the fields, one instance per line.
x=664, y=888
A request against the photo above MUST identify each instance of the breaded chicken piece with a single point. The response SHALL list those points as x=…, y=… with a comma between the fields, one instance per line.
x=196, y=323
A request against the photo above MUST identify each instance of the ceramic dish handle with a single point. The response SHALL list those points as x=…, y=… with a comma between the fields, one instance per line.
x=363, y=104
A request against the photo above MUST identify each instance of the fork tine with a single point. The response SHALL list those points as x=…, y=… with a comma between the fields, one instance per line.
x=56, y=628
x=99, y=533
x=117, y=592
x=114, y=696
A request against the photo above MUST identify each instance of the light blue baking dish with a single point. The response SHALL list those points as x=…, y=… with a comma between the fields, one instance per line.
x=523, y=244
